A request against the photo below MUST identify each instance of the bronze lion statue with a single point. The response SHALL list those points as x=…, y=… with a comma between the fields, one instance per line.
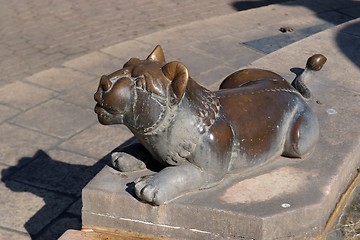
x=200, y=135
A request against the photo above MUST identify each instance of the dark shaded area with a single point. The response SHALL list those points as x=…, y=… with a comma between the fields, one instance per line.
x=275, y=42
x=50, y=174
x=297, y=71
x=245, y=5
x=333, y=13
x=350, y=44
x=59, y=184
x=279, y=40
x=336, y=13
x=134, y=148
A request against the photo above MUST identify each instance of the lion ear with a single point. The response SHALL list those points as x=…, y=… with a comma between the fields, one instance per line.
x=132, y=62
x=178, y=74
x=157, y=54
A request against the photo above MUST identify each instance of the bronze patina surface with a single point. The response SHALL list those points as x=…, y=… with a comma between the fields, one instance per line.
x=199, y=135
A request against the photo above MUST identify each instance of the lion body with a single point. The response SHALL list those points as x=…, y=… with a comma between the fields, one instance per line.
x=199, y=135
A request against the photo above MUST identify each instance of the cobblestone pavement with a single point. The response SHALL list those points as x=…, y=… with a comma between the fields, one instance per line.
x=36, y=35
x=52, y=54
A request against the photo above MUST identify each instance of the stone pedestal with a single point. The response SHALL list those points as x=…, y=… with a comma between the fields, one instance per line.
x=286, y=199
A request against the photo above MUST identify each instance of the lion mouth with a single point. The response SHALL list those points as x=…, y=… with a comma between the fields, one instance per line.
x=107, y=117
x=101, y=109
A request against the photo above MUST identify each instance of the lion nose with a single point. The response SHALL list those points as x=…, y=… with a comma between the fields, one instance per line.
x=104, y=85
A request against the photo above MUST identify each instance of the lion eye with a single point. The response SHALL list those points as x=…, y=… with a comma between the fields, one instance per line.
x=140, y=83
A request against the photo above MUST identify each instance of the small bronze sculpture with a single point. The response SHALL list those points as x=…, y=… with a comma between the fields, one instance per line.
x=199, y=135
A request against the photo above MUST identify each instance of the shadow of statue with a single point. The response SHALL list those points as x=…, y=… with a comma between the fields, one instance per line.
x=59, y=184
x=134, y=148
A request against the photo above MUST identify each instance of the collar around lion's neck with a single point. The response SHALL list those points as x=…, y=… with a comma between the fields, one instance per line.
x=203, y=102
x=164, y=121
x=166, y=117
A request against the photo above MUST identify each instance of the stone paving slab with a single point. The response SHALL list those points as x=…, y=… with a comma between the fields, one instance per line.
x=82, y=95
x=13, y=235
x=29, y=44
x=230, y=33
x=341, y=42
x=54, y=175
x=23, y=96
x=56, y=118
x=304, y=27
x=228, y=49
x=208, y=77
x=59, y=226
x=95, y=63
x=353, y=11
x=60, y=79
x=128, y=49
x=28, y=210
x=53, y=180
x=96, y=141
x=18, y=144
x=266, y=203
x=7, y=112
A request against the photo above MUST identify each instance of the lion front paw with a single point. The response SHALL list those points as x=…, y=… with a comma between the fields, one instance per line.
x=149, y=190
x=126, y=163
x=170, y=183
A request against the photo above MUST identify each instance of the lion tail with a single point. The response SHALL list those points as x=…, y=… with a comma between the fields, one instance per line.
x=313, y=64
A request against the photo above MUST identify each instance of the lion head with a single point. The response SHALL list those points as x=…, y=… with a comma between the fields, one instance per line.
x=141, y=93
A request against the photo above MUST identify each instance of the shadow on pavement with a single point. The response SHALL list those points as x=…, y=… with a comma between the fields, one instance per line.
x=350, y=48
x=59, y=184
x=350, y=44
x=245, y=5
